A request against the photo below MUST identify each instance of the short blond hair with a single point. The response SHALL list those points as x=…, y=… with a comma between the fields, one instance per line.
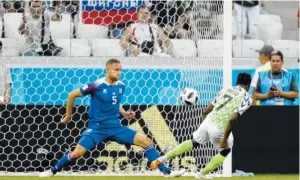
x=111, y=61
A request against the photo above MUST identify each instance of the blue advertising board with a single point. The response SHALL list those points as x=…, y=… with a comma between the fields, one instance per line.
x=50, y=86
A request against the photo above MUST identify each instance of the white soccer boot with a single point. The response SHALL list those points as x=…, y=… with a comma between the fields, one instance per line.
x=199, y=175
x=176, y=173
x=48, y=173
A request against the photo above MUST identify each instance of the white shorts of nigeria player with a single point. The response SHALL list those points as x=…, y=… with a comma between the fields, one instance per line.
x=209, y=132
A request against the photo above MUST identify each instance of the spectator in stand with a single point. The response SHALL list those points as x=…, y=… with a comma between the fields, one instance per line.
x=207, y=21
x=7, y=84
x=142, y=38
x=276, y=86
x=171, y=17
x=247, y=13
x=31, y=27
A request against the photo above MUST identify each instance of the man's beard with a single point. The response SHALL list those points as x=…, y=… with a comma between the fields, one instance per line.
x=114, y=78
x=36, y=15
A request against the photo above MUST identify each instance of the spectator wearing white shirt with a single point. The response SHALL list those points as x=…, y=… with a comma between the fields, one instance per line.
x=143, y=38
x=31, y=27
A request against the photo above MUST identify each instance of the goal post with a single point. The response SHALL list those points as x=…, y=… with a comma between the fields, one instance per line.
x=31, y=137
x=227, y=67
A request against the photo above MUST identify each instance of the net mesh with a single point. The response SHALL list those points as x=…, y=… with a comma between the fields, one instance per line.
x=181, y=47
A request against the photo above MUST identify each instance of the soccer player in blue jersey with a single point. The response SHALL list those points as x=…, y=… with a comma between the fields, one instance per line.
x=106, y=94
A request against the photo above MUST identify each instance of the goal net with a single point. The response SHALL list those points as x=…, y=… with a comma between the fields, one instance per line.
x=164, y=46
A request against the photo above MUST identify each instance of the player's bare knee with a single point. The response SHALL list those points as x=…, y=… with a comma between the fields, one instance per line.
x=148, y=142
x=76, y=154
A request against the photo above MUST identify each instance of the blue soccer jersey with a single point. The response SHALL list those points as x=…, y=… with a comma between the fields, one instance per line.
x=105, y=103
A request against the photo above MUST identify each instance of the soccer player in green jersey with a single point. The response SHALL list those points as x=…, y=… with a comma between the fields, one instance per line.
x=230, y=103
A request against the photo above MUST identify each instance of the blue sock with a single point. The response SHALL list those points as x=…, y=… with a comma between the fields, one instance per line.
x=61, y=163
x=152, y=155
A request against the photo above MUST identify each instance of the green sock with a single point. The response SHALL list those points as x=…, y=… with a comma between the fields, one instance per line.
x=213, y=164
x=181, y=148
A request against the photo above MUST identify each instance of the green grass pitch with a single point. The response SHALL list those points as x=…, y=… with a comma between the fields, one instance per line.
x=256, y=177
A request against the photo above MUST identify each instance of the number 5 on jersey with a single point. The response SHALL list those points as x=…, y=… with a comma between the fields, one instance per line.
x=114, y=99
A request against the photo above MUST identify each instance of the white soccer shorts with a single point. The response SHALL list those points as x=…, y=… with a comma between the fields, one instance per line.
x=208, y=132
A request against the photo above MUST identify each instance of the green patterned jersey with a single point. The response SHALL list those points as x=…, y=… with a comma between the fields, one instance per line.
x=230, y=100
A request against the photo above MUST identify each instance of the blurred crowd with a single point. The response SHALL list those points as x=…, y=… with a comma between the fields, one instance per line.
x=167, y=19
x=154, y=32
x=156, y=24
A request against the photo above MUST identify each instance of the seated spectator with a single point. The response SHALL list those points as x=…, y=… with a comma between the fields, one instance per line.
x=142, y=38
x=264, y=59
x=31, y=27
x=171, y=17
x=276, y=86
x=7, y=84
x=207, y=21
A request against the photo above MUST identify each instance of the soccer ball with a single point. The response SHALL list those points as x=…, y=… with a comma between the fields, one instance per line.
x=189, y=96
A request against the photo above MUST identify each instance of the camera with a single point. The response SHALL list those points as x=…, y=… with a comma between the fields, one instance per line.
x=148, y=47
x=273, y=88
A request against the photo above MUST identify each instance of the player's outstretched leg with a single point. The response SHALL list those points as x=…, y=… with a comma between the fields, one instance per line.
x=178, y=150
x=152, y=154
x=78, y=152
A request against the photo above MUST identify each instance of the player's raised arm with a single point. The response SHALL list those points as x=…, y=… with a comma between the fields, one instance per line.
x=70, y=102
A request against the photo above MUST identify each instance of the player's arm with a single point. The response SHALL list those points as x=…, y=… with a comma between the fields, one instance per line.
x=207, y=110
x=228, y=130
x=70, y=102
x=126, y=114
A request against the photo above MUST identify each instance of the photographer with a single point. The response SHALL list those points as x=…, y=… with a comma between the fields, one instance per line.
x=142, y=38
x=35, y=27
x=276, y=86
